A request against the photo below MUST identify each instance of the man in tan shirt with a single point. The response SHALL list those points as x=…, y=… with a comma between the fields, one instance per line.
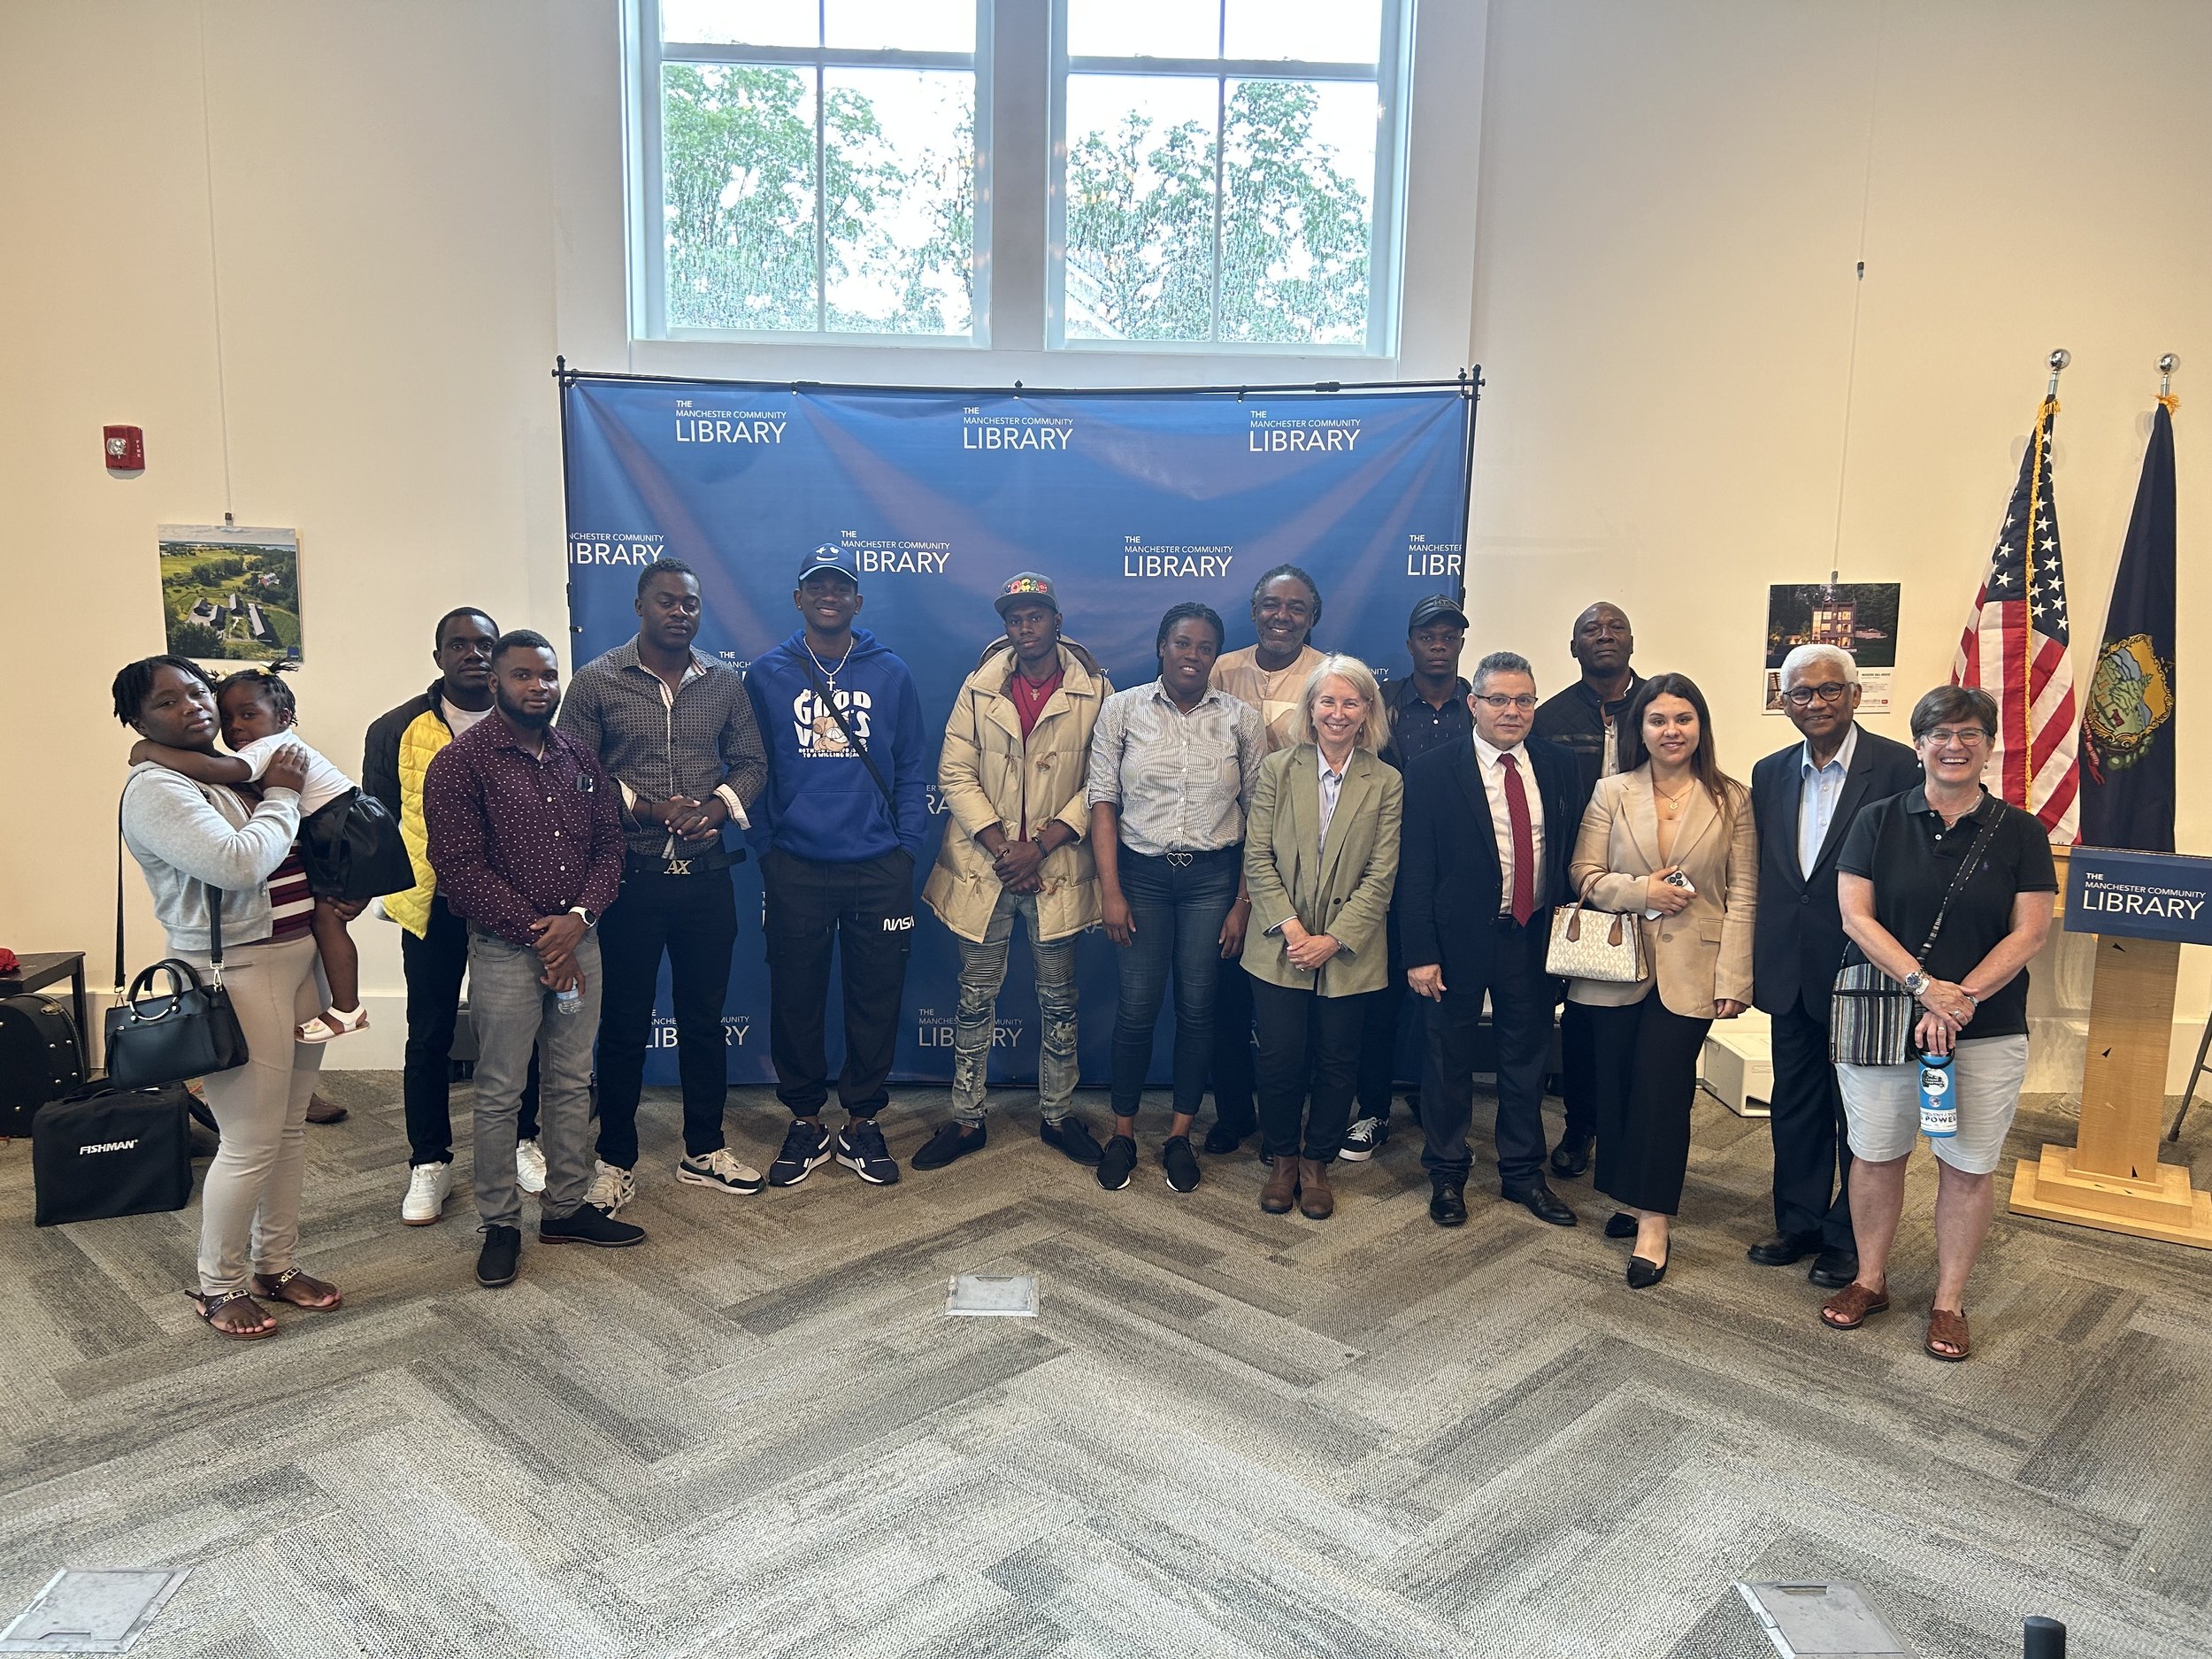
x=1269, y=675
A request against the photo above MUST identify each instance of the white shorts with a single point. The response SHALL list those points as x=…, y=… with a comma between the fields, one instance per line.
x=1882, y=1105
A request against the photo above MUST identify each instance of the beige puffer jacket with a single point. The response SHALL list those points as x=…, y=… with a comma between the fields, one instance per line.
x=988, y=775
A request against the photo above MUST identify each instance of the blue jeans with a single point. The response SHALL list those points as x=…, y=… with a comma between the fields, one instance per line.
x=1176, y=910
x=982, y=973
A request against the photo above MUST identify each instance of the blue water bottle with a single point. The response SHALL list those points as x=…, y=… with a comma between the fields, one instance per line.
x=1939, y=1102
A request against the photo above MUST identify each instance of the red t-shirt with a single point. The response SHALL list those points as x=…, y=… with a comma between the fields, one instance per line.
x=1030, y=700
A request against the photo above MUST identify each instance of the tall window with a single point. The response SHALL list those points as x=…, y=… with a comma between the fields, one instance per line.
x=1228, y=172
x=1197, y=175
x=810, y=167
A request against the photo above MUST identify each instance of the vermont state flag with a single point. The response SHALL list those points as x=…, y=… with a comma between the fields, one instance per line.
x=2127, y=738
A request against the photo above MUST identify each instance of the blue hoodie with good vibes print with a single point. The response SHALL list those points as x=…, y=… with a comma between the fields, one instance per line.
x=822, y=804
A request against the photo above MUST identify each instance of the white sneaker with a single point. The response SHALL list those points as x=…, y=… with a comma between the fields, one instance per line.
x=427, y=1185
x=529, y=1166
x=721, y=1168
x=611, y=1187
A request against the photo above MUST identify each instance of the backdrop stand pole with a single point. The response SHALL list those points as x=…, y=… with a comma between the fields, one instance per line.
x=2111, y=1178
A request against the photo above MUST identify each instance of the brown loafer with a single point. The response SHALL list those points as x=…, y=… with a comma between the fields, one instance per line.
x=1281, y=1191
x=322, y=1112
x=1315, y=1202
x=1946, y=1325
x=1852, y=1306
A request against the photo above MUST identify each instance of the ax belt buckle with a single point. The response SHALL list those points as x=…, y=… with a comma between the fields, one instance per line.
x=676, y=866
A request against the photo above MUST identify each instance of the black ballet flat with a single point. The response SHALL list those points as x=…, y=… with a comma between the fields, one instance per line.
x=1620, y=1225
x=1643, y=1274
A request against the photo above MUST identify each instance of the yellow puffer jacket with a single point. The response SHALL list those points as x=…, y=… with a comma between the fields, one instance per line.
x=401, y=746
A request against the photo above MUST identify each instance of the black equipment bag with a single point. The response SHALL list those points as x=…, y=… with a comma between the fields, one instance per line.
x=353, y=850
x=39, y=1059
x=110, y=1151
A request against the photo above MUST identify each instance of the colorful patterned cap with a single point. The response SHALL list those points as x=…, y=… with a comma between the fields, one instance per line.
x=1028, y=585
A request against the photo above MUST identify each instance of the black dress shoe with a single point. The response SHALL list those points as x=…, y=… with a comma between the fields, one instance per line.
x=1643, y=1273
x=1223, y=1138
x=1571, y=1156
x=1833, y=1269
x=1782, y=1250
x=952, y=1140
x=1448, y=1205
x=1620, y=1225
x=1542, y=1204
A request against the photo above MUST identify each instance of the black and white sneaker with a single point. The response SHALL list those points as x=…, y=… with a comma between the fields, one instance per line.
x=1363, y=1139
x=861, y=1149
x=1117, y=1163
x=806, y=1147
x=721, y=1168
x=1073, y=1137
x=1182, y=1164
x=588, y=1223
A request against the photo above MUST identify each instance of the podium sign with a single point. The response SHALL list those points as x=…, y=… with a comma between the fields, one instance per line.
x=2143, y=907
x=2139, y=896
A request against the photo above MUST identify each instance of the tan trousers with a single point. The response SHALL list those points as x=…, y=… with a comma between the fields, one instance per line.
x=250, y=1203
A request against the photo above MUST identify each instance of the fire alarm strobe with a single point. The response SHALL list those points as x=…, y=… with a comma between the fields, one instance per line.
x=125, y=448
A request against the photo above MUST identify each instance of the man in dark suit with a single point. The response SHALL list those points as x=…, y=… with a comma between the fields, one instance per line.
x=1803, y=799
x=1488, y=829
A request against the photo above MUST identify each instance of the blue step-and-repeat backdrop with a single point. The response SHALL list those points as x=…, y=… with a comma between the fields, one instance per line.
x=1130, y=501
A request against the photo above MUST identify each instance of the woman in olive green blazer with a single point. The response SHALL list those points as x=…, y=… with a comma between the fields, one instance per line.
x=1318, y=944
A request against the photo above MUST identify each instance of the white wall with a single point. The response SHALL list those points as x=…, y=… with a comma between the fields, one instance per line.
x=417, y=204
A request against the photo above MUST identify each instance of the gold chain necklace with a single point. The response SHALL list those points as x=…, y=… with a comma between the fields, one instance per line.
x=1671, y=804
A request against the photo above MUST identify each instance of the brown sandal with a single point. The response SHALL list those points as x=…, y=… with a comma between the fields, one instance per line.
x=1855, y=1303
x=211, y=1309
x=1945, y=1325
x=297, y=1287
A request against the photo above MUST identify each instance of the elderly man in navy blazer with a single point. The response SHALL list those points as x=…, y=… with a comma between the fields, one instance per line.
x=1483, y=858
x=1803, y=799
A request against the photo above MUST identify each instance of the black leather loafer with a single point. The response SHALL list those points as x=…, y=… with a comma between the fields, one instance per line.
x=1833, y=1270
x=1448, y=1205
x=1782, y=1250
x=1571, y=1156
x=1541, y=1203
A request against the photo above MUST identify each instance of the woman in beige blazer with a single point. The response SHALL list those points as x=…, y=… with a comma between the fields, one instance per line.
x=1320, y=861
x=1670, y=840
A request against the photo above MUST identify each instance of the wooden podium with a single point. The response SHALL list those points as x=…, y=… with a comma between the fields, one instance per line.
x=2142, y=906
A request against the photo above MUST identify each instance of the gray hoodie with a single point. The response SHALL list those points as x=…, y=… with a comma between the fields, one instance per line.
x=188, y=837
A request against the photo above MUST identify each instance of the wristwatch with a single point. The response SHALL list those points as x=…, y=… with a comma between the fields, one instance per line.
x=591, y=920
x=1917, y=981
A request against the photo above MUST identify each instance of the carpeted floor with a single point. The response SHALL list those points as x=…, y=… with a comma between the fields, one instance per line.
x=1227, y=1433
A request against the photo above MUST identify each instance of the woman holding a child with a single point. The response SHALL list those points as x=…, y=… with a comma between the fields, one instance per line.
x=189, y=838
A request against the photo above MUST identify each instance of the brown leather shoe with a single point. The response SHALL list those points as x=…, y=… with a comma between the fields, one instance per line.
x=1281, y=1190
x=1315, y=1202
x=323, y=1111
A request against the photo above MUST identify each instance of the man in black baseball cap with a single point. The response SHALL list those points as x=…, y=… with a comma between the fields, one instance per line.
x=1427, y=709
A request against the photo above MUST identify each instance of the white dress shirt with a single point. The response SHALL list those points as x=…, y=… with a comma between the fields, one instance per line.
x=1818, y=789
x=1489, y=760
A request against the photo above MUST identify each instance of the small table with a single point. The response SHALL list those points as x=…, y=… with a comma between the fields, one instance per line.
x=41, y=969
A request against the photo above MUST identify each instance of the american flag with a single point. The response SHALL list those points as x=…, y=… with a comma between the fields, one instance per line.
x=2014, y=648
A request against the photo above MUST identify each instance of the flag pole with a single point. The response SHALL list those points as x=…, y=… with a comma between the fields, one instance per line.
x=2058, y=361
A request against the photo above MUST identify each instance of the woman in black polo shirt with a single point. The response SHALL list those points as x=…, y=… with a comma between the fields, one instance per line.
x=1899, y=861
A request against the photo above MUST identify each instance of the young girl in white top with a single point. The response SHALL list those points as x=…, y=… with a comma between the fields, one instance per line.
x=257, y=709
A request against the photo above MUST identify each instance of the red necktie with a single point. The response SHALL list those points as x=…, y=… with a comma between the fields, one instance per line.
x=1524, y=842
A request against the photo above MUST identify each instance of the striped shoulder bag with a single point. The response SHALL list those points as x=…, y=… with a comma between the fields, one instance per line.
x=1871, y=1016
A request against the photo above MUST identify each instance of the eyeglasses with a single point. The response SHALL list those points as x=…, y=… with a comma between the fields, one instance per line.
x=1964, y=736
x=1498, y=702
x=1802, y=696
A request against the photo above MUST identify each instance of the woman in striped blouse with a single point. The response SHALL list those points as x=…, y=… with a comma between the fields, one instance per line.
x=190, y=838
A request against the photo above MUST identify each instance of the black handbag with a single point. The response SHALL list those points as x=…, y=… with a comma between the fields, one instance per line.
x=1871, y=1016
x=353, y=850
x=110, y=1151
x=189, y=1030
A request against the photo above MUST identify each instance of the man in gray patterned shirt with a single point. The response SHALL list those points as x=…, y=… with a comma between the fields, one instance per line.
x=675, y=730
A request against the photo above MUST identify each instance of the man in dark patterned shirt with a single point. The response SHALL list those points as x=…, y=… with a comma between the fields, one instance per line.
x=525, y=836
x=675, y=730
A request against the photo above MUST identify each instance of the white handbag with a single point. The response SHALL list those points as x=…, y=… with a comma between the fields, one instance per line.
x=1612, y=953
